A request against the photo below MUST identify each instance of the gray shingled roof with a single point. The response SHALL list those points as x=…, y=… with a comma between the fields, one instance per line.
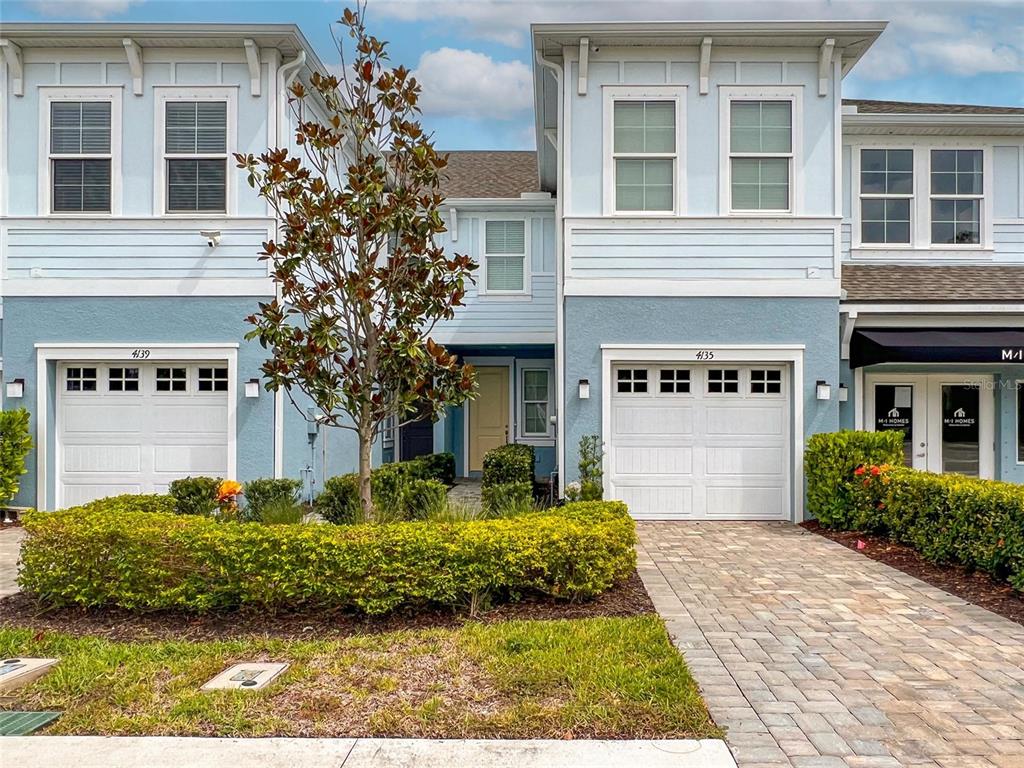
x=892, y=283
x=490, y=174
x=871, y=106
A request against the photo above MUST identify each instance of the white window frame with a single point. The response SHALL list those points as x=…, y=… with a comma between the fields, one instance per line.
x=388, y=430
x=674, y=93
x=548, y=366
x=1018, y=401
x=982, y=208
x=48, y=95
x=482, y=288
x=861, y=196
x=730, y=93
x=742, y=380
x=692, y=382
x=165, y=94
x=920, y=208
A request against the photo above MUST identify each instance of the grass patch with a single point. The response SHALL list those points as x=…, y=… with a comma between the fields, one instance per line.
x=601, y=677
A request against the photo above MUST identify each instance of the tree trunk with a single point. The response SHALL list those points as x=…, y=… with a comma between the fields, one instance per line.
x=365, y=459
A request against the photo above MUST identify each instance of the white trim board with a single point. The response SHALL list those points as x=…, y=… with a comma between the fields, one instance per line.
x=182, y=286
x=792, y=355
x=104, y=352
x=608, y=286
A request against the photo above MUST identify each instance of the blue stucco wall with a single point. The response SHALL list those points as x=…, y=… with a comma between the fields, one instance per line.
x=591, y=322
x=29, y=321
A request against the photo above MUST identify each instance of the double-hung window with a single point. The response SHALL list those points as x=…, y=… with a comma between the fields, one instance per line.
x=644, y=154
x=957, y=190
x=505, y=256
x=536, y=402
x=196, y=156
x=761, y=154
x=886, y=195
x=81, y=156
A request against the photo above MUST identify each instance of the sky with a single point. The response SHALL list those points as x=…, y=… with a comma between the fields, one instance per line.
x=473, y=56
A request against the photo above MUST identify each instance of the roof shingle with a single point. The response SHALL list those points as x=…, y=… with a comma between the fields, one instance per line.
x=871, y=106
x=893, y=283
x=489, y=174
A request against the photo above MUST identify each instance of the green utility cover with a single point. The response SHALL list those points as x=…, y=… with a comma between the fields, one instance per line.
x=23, y=723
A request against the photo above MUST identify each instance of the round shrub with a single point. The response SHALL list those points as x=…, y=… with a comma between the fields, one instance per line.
x=268, y=491
x=142, y=561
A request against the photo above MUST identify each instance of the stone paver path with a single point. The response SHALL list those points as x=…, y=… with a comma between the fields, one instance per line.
x=10, y=545
x=814, y=656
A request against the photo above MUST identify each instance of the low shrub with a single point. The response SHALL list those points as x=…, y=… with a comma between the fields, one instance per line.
x=506, y=499
x=15, y=443
x=438, y=466
x=281, y=511
x=268, y=490
x=829, y=462
x=141, y=561
x=512, y=463
x=401, y=491
x=195, y=495
x=338, y=502
x=424, y=500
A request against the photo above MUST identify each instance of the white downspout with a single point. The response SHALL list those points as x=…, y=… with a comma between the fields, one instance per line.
x=556, y=70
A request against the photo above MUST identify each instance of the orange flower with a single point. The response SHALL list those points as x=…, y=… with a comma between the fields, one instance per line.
x=858, y=471
x=228, y=490
x=875, y=471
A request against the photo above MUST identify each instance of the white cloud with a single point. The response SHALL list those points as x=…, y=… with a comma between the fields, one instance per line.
x=81, y=9
x=969, y=57
x=462, y=83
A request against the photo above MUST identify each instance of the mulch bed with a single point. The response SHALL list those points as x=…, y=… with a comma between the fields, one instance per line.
x=627, y=599
x=973, y=586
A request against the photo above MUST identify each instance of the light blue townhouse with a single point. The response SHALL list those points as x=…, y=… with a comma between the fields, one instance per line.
x=711, y=256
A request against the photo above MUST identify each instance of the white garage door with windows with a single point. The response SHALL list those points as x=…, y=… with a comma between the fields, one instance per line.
x=701, y=442
x=127, y=427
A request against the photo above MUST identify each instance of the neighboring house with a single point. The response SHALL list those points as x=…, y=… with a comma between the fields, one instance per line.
x=711, y=257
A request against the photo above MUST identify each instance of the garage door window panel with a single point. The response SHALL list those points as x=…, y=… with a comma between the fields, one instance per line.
x=765, y=381
x=723, y=381
x=171, y=379
x=674, y=381
x=213, y=379
x=631, y=381
x=123, y=380
x=81, y=380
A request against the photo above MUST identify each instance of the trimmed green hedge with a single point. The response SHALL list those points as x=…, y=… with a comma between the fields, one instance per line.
x=947, y=518
x=15, y=443
x=404, y=490
x=268, y=491
x=110, y=553
x=829, y=462
x=512, y=463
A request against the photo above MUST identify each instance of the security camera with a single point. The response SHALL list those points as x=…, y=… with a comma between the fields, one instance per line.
x=212, y=237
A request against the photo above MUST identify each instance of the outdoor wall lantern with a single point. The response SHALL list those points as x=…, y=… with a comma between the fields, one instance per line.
x=252, y=388
x=16, y=388
x=823, y=390
x=584, y=389
x=844, y=393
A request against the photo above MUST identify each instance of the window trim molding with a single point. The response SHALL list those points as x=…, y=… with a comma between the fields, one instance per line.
x=522, y=436
x=1019, y=402
x=729, y=93
x=983, y=210
x=921, y=245
x=165, y=93
x=858, y=197
x=114, y=94
x=609, y=95
x=482, y=289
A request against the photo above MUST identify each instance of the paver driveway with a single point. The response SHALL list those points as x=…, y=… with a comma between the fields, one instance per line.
x=815, y=656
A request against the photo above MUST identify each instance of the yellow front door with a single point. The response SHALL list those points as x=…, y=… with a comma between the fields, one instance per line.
x=488, y=414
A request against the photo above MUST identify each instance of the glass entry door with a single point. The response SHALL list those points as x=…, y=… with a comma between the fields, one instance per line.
x=948, y=422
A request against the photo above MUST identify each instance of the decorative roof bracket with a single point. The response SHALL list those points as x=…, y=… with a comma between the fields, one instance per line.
x=12, y=55
x=252, y=57
x=705, y=66
x=134, y=54
x=581, y=86
x=825, y=65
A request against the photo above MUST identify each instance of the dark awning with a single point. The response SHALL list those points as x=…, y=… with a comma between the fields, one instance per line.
x=936, y=345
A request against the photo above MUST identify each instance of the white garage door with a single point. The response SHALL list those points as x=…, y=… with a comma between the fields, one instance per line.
x=701, y=442
x=126, y=427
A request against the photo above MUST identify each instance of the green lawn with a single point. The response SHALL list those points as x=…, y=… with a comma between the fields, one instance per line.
x=603, y=677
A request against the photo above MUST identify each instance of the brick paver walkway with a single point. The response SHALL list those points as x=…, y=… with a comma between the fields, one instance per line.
x=814, y=656
x=10, y=545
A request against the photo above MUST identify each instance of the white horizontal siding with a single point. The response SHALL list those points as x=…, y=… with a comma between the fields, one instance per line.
x=1008, y=240
x=111, y=250
x=682, y=251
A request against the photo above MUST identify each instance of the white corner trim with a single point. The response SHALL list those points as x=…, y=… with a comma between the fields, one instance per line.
x=825, y=65
x=279, y=433
x=54, y=352
x=252, y=58
x=453, y=223
x=792, y=354
x=184, y=286
x=135, y=65
x=12, y=55
x=705, y=66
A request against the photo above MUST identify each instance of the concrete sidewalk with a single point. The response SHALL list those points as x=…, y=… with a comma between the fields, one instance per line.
x=174, y=752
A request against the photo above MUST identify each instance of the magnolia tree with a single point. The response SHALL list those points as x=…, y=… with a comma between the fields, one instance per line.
x=361, y=280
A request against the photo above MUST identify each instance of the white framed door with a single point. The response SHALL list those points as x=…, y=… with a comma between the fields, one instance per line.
x=948, y=420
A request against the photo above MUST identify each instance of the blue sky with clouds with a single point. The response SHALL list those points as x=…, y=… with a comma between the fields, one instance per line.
x=472, y=56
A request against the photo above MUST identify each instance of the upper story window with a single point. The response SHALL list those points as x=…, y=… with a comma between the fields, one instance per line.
x=886, y=194
x=957, y=190
x=80, y=156
x=196, y=151
x=644, y=155
x=761, y=154
x=505, y=256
